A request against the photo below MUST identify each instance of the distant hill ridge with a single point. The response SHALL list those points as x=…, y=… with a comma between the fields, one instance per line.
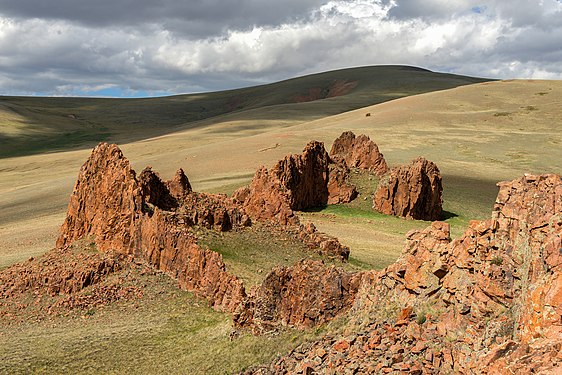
x=31, y=125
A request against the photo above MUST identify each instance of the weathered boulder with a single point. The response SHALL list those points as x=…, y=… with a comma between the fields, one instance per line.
x=213, y=211
x=179, y=185
x=359, y=152
x=340, y=189
x=325, y=244
x=303, y=295
x=413, y=191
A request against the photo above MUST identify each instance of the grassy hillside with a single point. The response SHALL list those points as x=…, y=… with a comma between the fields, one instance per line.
x=30, y=125
x=477, y=135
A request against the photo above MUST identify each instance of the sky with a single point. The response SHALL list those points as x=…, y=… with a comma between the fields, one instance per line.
x=135, y=48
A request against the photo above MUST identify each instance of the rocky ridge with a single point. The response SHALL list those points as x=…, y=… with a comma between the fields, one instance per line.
x=487, y=302
x=150, y=220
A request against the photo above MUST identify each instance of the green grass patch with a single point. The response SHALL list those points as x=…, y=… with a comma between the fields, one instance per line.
x=252, y=252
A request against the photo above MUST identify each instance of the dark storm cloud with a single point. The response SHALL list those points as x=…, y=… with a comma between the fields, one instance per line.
x=197, y=18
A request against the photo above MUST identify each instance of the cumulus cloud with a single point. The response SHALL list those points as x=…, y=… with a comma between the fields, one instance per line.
x=68, y=47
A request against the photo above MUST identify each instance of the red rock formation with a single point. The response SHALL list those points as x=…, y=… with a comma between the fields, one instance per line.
x=58, y=272
x=265, y=200
x=105, y=201
x=303, y=295
x=297, y=182
x=359, y=152
x=179, y=185
x=131, y=216
x=487, y=302
x=213, y=211
x=340, y=190
x=413, y=191
x=155, y=191
x=154, y=227
x=62, y=280
x=164, y=242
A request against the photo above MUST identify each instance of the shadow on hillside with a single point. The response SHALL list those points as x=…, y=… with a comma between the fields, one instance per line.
x=446, y=215
x=61, y=124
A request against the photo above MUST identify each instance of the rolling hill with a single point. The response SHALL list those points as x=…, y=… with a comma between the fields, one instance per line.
x=31, y=125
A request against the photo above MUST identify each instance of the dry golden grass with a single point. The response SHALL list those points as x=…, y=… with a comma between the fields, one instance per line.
x=458, y=129
x=476, y=134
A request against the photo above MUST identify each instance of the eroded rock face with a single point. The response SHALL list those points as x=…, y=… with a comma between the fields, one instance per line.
x=141, y=217
x=155, y=192
x=340, y=189
x=487, y=302
x=413, y=191
x=105, y=202
x=179, y=185
x=325, y=244
x=296, y=182
x=359, y=152
x=163, y=241
x=303, y=295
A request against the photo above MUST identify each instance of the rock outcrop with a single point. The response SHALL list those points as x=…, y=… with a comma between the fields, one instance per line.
x=487, y=302
x=149, y=219
x=303, y=295
x=412, y=191
x=105, y=202
x=179, y=185
x=340, y=189
x=297, y=182
x=323, y=243
x=359, y=152
x=141, y=217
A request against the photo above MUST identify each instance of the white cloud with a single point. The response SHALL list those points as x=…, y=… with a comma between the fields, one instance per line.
x=519, y=39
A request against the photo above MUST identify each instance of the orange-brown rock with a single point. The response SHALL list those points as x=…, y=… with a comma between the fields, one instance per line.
x=150, y=219
x=62, y=280
x=105, y=202
x=142, y=217
x=264, y=199
x=487, y=302
x=413, y=191
x=155, y=192
x=164, y=242
x=325, y=244
x=179, y=185
x=303, y=295
x=58, y=272
x=359, y=152
x=297, y=182
x=340, y=189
